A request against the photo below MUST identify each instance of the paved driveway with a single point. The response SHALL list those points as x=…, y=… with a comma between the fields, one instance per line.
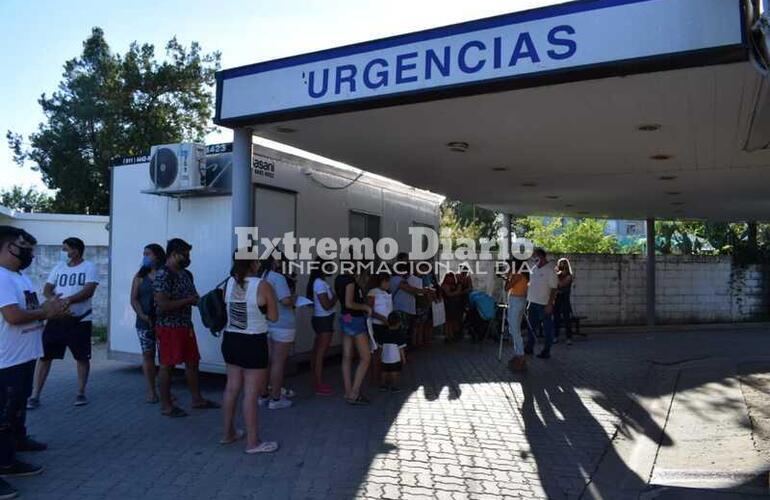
x=465, y=428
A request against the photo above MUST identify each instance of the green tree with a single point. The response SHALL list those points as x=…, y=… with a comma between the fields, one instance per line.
x=559, y=235
x=465, y=220
x=29, y=200
x=109, y=105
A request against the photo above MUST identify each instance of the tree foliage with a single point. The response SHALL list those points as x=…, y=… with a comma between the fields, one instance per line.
x=571, y=236
x=465, y=220
x=110, y=105
x=29, y=200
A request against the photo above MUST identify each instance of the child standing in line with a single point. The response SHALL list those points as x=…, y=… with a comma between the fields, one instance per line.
x=393, y=354
x=381, y=302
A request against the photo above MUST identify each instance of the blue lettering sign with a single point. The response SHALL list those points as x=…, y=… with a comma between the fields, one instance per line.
x=461, y=57
x=382, y=75
x=554, y=39
x=402, y=67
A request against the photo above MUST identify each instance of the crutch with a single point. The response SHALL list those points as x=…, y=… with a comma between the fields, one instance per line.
x=503, y=322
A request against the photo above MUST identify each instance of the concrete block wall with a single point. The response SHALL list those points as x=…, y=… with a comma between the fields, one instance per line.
x=46, y=258
x=611, y=289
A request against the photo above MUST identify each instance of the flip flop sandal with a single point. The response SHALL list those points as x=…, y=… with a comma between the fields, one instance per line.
x=263, y=447
x=207, y=405
x=361, y=400
x=239, y=433
x=175, y=412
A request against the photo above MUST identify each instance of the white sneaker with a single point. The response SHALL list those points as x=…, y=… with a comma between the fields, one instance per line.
x=279, y=405
x=287, y=393
x=263, y=400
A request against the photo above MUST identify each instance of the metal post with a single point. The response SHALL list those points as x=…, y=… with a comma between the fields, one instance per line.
x=650, y=272
x=507, y=226
x=242, y=202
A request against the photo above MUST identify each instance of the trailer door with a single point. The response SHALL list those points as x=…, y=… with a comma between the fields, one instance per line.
x=275, y=211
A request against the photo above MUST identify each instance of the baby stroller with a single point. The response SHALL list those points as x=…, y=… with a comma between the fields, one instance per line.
x=481, y=317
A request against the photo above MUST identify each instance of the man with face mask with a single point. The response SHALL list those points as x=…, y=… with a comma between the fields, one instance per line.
x=175, y=294
x=74, y=280
x=21, y=327
x=541, y=295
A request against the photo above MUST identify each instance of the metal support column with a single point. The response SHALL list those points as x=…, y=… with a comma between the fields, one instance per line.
x=243, y=191
x=650, y=272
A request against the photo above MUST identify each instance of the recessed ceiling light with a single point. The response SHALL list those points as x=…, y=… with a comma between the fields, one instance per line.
x=677, y=203
x=666, y=177
x=458, y=146
x=552, y=197
x=648, y=127
x=673, y=193
x=528, y=184
x=661, y=157
x=569, y=205
x=499, y=169
x=285, y=130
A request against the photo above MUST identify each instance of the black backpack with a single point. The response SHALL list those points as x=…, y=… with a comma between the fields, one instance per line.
x=213, y=309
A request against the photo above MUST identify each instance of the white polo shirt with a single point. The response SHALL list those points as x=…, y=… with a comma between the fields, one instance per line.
x=541, y=281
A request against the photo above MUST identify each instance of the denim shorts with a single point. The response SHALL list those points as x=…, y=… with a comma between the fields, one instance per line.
x=353, y=326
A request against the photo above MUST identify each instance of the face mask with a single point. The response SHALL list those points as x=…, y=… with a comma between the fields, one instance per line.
x=147, y=261
x=25, y=257
x=63, y=257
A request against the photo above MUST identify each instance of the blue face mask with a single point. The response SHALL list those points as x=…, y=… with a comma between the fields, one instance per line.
x=63, y=256
x=146, y=261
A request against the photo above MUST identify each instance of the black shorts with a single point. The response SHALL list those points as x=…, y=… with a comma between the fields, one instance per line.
x=323, y=324
x=58, y=336
x=392, y=367
x=380, y=333
x=248, y=351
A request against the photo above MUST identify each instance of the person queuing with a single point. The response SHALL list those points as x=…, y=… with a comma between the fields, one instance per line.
x=455, y=288
x=324, y=300
x=563, y=304
x=75, y=281
x=353, y=312
x=393, y=352
x=245, y=351
x=516, y=286
x=21, y=330
x=281, y=332
x=381, y=302
x=404, y=287
x=144, y=305
x=541, y=295
x=174, y=295
x=423, y=323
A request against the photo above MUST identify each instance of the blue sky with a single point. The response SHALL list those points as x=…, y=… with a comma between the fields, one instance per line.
x=38, y=36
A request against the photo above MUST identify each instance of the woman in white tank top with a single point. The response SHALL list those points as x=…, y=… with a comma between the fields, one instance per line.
x=250, y=304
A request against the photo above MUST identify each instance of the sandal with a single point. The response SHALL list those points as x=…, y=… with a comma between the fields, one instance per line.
x=239, y=433
x=361, y=400
x=175, y=412
x=207, y=405
x=263, y=447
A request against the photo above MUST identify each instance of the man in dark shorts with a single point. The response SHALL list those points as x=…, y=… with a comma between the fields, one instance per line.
x=74, y=280
x=21, y=328
x=175, y=294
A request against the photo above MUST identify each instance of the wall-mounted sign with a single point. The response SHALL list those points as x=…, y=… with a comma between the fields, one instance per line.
x=551, y=40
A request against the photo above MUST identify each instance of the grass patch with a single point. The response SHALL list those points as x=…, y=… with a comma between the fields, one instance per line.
x=99, y=334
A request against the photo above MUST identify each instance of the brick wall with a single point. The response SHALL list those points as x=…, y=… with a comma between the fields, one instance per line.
x=47, y=256
x=611, y=289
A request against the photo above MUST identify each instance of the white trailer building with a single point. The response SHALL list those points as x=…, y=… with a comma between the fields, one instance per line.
x=289, y=193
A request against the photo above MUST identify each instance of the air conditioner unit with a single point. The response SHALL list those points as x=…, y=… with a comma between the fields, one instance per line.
x=178, y=167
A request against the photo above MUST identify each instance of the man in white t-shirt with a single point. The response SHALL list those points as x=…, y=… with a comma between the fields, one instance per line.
x=541, y=295
x=404, y=287
x=74, y=280
x=21, y=327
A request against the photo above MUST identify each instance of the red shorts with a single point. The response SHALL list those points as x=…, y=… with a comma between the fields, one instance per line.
x=176, y=345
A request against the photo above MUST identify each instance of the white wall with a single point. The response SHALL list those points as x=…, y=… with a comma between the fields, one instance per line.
x=52, y=229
